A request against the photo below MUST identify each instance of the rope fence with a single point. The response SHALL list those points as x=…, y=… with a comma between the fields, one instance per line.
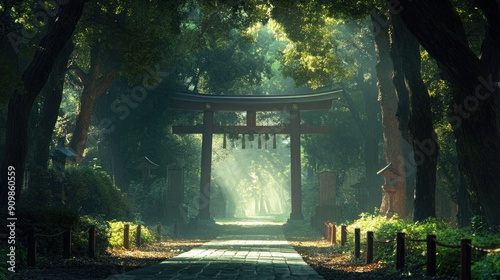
x=67, y=236
x=466, y=247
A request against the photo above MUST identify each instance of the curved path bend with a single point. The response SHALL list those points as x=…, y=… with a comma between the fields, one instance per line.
x=242, y=251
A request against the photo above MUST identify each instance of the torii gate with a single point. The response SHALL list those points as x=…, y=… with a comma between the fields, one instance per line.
x=209, y=104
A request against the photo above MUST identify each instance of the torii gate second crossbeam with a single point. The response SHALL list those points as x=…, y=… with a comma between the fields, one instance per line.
x=293, y=104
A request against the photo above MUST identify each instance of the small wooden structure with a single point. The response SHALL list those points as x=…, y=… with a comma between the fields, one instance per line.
x=146, y=165
x=60, y=155
x=390, y=177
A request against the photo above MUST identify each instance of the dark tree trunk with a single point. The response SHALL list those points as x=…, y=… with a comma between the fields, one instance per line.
x=393, y=150
x=50, y=111
x=373, y=135
x=472, y=114
x=420, y=127
x=94, y=84
x=34, y=78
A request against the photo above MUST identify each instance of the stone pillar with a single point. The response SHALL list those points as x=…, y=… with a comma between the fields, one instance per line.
x=327, y=209
x=327, y=188
x=175, y=194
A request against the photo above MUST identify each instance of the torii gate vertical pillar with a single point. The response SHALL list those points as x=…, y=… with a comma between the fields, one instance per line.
x=206, y=164
x=295, y=167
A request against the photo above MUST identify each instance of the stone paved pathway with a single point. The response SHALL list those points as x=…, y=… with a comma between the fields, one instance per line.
x=246, y=252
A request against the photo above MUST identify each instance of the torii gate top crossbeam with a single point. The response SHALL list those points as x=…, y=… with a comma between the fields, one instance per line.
x=302, y=102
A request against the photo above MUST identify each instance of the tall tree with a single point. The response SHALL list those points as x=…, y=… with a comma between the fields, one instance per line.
x=393, y=139
x=52, y=93
x=420, y=133
x=33, y=79
x=439, y=30
x=105, y=50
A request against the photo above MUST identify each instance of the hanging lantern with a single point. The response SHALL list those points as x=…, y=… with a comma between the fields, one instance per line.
x=259, y=142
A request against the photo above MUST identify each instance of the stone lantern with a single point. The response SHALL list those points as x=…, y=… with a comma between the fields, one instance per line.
x=390, y=178
x=59, y=155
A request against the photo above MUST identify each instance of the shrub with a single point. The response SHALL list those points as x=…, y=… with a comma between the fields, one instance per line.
x=116, y=234
x=89, y=191
x=92, y=192
x=81, y=234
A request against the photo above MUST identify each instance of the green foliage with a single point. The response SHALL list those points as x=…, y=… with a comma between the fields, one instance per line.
x=88, y=191
x=448, y=259
x=116, y=234
x=488, y=268
x=150, y=198
x=92, y=192
x=81, y=235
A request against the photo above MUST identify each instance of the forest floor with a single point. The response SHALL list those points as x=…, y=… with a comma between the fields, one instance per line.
x=329, y=261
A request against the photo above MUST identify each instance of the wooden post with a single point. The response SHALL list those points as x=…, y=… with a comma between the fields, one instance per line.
x=126, y=237
x=369, y=247
x=91, y=242
x=466, y=259
x=67, y=243
x=158, y=232
x=343, y=235
x=333, y=233
x=31, y=247
x=400, y=251
x=431, y=255
x=138, y=236
x=295, y=166
x=325, y=230
x=357, y=245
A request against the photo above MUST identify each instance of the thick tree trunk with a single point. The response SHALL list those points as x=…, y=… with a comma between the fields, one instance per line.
x=94, y=84
x=472, y=114
x=393, y=139
x=50, y=110
x=34, y=78
x=420, y=127
x=372, y=139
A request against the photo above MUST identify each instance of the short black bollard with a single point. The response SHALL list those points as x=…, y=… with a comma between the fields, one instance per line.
x=91, y=242
x=357, y=244
x=343, y=235
x=138, y=236
x=466, y=259
x=31, y=247
x=67, y=243
x=369, y=247
x=431, y=255
x=400, y=251
x=126, y=237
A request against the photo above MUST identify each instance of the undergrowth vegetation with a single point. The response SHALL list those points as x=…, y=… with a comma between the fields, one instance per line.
x=485, y=266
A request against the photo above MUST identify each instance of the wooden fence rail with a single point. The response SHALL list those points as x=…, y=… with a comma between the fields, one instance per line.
x=431, y=244
x=67, y=236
